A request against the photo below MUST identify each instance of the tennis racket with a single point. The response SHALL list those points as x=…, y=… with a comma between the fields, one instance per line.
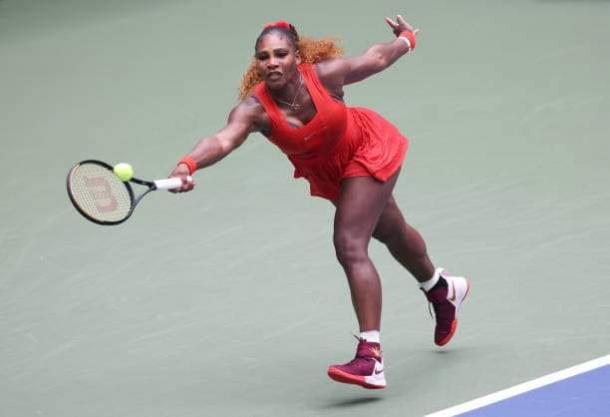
x=100, y=196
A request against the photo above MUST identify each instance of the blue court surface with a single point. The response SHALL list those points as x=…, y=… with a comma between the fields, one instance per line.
x=583, y=391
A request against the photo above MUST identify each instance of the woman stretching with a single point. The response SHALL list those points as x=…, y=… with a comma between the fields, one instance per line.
x=293, y=95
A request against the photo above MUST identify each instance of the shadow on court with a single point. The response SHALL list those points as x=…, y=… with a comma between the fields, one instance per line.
x=355, y=401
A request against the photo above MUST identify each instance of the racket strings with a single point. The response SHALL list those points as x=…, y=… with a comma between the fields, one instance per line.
x=99, y=193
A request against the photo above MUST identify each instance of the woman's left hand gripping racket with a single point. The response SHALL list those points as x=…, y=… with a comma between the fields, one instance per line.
x=100, y=196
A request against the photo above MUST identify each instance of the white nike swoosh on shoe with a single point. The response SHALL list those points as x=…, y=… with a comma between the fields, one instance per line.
x=378, y=368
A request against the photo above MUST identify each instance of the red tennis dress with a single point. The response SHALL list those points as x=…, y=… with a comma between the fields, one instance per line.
x=339, y=142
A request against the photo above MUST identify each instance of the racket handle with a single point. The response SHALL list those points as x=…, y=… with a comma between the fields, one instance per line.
x=171, y=183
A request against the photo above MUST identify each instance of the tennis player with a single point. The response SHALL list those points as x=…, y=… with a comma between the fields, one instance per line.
x=293, y=94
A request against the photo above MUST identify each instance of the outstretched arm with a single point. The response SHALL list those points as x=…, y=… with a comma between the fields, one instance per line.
x=341, y=71
x=211, y=149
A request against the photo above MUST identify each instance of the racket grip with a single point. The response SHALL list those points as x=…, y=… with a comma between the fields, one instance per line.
x=171, y=183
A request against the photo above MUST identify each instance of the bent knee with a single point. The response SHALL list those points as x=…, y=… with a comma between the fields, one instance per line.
x=389, y=222
x=382, y=234
x=350, y=249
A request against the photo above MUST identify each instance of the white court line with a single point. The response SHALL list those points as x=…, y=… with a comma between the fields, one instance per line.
x=521, y=388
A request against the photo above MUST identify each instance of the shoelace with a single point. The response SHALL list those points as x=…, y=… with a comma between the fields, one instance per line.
x=432, y=316
x=360, y=340
x=431, y=307
x=358, y=356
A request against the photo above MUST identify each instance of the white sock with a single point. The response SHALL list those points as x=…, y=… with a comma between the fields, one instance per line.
x=370, y=336
x=427, y=285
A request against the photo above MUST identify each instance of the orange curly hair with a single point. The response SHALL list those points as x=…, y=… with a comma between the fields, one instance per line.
x=312, y=51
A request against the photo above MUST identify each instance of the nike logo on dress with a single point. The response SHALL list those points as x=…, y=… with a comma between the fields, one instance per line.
x=306, y=138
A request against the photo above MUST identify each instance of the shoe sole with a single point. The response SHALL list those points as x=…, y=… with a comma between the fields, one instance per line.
x=454, y=324
x=340, y=376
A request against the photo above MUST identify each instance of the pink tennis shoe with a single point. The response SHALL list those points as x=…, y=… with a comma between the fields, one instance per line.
x=366, y=369
x=446, y=297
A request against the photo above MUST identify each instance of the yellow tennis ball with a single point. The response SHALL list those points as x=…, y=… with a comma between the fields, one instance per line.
x=124, y=171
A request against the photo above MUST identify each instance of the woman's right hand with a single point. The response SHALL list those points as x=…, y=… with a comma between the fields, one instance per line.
x=182, y=171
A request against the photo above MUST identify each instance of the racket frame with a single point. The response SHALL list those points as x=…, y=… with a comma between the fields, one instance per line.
x=134, y=200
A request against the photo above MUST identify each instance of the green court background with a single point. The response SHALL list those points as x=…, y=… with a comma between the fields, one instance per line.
x=228, y=300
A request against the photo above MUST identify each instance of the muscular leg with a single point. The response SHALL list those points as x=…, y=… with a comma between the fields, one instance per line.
x=360, y=204
x=404, y=242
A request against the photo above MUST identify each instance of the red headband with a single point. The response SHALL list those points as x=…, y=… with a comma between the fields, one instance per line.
x=279, y=24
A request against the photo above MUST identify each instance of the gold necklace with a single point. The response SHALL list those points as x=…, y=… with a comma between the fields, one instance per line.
x=293, y=106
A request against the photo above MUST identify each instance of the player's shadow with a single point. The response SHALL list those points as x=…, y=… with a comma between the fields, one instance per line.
x=351, y=402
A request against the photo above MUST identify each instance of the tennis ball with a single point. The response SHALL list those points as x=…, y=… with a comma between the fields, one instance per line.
x=124, y=171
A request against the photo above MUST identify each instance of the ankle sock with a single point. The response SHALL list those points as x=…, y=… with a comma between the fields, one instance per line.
x=428, y=285
x=372, y=336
